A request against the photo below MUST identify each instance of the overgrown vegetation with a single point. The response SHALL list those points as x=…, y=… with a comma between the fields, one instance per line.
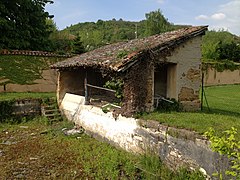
x=6, y=109
x=221, y=66
x=168, y=105
x=153, y=168
x=8, y=100
x=31, y=153
x=117, y=85
x=226, y=145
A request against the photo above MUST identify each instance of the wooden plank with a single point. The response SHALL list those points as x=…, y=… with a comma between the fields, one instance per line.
x=102, y=88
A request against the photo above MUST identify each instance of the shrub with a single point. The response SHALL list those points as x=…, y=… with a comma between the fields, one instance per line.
x=167, y=105
x=227, y=145
x=6, y=109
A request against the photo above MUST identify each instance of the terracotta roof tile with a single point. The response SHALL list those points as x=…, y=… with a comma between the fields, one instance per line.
x=116, y=56
x=31, y=53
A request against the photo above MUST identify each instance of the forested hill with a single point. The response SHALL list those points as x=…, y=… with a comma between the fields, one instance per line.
x=96, y=34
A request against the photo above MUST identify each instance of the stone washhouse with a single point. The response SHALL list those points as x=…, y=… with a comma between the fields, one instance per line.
x=153, y=68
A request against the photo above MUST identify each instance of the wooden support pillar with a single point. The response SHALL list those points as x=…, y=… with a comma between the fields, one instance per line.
x=86, y=89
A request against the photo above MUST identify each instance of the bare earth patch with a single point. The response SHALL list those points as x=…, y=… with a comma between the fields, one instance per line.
x=30, y=153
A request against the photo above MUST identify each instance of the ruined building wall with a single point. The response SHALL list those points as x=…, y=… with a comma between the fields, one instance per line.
x=70, y=82
x=188, y=73
x=138, y=87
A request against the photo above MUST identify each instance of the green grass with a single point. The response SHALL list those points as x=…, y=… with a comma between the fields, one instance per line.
x=42, y=151
x=24, y=95
x=224, y=113
x=223, y=99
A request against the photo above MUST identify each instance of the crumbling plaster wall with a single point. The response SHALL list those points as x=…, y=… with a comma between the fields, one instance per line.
x=176, y=147
x=187, y=56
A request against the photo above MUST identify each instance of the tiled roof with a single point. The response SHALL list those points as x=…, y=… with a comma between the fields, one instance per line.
x=31, y=53
x=116, y=56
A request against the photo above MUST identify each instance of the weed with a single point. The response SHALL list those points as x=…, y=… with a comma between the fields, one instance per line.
x=122, y=54
x=226, y=145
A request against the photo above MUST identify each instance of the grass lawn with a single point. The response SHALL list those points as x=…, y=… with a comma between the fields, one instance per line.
x=224, y=104
x=35, y=150
x=19, y=95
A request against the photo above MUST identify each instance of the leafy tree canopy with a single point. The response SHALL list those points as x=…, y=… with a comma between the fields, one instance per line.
x=23, y=24
x=156, y=23
x=221, y=45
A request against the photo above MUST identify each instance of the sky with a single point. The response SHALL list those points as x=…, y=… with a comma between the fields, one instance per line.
x=218, y=14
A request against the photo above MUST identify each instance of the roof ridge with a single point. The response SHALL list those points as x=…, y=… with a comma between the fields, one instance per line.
x=32, y=53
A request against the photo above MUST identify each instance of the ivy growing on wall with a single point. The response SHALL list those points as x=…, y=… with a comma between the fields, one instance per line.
x=221, y=66
x=117, y=85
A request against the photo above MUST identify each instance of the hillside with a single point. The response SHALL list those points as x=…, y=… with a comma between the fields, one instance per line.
x=96, y=34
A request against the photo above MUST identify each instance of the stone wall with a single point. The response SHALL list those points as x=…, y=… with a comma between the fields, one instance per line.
x=213, y=78
x=176, y=147
x=138, y=87
x=27, y=107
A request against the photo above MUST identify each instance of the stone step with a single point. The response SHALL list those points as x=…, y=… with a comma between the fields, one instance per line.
x=51, y=111
x=50, y=106
x=52, y=115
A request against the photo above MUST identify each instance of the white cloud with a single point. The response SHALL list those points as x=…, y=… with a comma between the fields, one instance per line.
x=218, y=16
x=202, y=17
x=226, y=16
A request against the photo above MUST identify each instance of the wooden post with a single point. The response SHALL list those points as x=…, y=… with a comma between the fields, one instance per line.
x=202, y=91
x=86, y=89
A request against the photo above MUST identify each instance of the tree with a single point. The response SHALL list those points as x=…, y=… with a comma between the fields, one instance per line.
x=78, y=47
x=221, y=45
x=23, y=24
x=61, y=42
x=52, y=26
x=229, y=51
x=156, y=23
